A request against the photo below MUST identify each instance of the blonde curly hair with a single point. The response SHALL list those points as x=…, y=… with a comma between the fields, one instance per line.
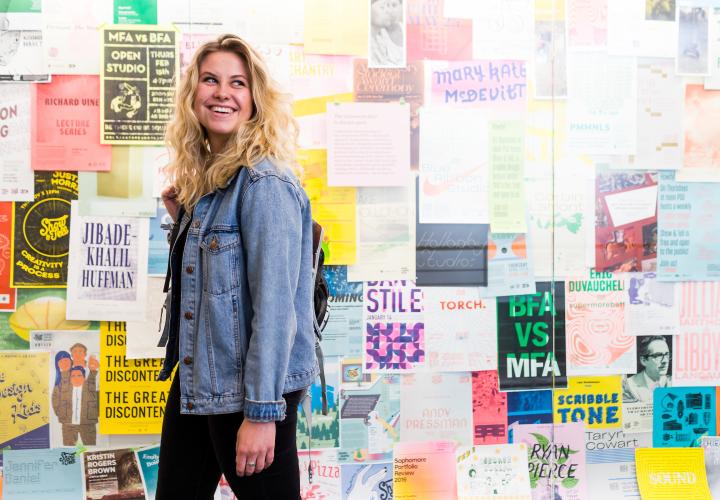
x=271, y=132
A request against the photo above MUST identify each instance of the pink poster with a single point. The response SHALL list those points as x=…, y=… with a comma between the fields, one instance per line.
x=432, y=36
x=66, y=125
x=489, y=409
x=595, y=326
x=495, y=85
x=699, y=303
x=587, y=24
x=696, y=348
x=697, y=359
x=702, y=130
x=7, y=294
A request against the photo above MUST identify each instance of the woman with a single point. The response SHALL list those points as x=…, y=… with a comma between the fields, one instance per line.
x=240, y=311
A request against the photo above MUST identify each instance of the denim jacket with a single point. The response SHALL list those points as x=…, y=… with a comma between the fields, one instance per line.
x=244, y=321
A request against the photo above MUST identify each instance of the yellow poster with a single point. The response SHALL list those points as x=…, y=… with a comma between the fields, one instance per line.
x=24, y=400
x=332, y=207
x=131, y=400
x=672, y=473
x=593, y=400
x=337, y=28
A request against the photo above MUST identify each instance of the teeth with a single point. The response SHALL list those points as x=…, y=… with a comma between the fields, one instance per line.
x=221, y=109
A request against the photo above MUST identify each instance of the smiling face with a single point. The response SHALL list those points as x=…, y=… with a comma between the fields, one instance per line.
x=223, y=101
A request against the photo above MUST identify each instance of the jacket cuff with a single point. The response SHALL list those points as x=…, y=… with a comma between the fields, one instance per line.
x=264, y=411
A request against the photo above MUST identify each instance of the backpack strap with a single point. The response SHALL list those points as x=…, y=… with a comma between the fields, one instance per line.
x=317, y=257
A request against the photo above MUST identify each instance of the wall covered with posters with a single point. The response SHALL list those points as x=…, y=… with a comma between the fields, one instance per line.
x=520, y=205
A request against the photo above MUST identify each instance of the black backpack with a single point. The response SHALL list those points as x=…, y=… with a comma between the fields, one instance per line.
x=320, y=301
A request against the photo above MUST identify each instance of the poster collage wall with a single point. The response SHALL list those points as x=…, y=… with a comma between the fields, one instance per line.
x=522, y=246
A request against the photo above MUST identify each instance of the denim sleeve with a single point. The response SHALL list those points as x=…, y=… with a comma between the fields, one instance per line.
x=271, y=226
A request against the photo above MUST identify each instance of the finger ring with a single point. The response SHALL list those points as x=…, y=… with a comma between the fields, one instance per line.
x=250, y=465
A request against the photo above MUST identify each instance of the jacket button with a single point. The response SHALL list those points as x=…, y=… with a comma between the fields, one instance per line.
x=189, y=269
x=213, y=244
x=188, y=315
x=196, y=224
x=187, y=360
x=189, y=406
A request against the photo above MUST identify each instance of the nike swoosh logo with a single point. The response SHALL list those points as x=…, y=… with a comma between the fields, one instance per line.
x=431, y=189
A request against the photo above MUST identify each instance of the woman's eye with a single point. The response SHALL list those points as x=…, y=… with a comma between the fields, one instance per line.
x=239, y=83
x=209, y=79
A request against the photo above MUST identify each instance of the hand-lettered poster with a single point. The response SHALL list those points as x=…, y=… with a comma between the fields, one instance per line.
x=556, y=459
x=41, y=231
x=497, y=85
x=451, y=254
x=394, y=327
x=107, y=269
x=139, y=66
x=132, y=401
x=23, y=400
x=626, y=232
x=324, y=469
x=66, y=125
x=8, y=295
x=487, y=472
x=531, y=339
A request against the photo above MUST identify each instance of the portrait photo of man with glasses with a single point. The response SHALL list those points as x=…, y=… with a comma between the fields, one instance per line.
x=654, y=369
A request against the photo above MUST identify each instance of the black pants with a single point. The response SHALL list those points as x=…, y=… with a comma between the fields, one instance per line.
x=196, y=449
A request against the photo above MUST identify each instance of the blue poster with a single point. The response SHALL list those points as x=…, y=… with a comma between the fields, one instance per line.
x=688, y=238
x=159, y=249
x=148, y=458
x=343, y=334
x=362, y=481
x=52, y=474
x=529, y=407
x=682, y=415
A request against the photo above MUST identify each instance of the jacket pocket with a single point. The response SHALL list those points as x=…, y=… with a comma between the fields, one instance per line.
x=220, y=252
x=226, y=347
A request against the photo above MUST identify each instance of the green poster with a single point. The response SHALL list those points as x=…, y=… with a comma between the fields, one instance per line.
x=134, y=11
x=17, y=6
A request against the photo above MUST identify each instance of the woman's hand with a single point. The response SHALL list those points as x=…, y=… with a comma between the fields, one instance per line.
x=169, y=198
x=255, y=447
